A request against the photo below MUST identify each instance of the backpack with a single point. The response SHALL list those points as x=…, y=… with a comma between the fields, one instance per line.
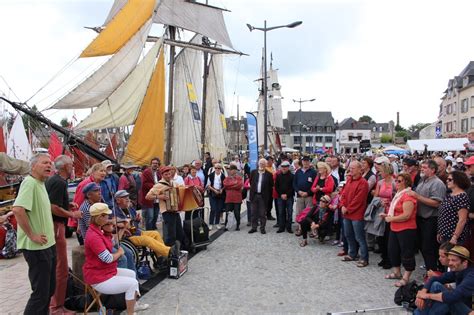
x=407, y=293
x=9, y=250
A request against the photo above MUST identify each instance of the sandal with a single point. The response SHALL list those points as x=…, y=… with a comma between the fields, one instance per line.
x=401, y=283
x=303, y=243
x=393, y=276
x=347, y=258
x=298, y=233
x=362, y=263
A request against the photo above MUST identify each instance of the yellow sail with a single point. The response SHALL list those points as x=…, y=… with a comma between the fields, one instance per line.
x=148, y=137
x=122, y=27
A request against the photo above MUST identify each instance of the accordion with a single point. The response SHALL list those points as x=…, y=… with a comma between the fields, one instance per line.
x=183, y=198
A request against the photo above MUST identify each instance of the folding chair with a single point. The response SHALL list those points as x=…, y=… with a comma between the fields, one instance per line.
x=95, y=297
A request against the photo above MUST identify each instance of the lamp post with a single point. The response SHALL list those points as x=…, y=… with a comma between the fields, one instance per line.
x=265, y=29
x=301, y=123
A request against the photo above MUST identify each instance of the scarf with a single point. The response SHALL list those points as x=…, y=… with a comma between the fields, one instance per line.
x=395, y=200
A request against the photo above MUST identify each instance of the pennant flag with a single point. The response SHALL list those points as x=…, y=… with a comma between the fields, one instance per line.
x=252, y=137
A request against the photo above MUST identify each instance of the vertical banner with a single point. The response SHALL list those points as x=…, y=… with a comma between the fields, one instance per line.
x=252, y=137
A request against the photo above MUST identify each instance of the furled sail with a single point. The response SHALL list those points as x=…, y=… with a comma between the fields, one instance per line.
x=186, y=132
x=95, y=89
x=121, y=28
x=275, y=116
x=122, y=106
x=18, y=146
x=198, y=18
x=215, y=111
x=148, y=137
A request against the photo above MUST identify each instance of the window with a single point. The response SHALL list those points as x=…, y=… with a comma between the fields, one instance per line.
x=242, y=126
x=328, y=129
x=464, y=125
x=454, y=126
x=380, y=128
x=464, y=105
x=374, y=129
x=318, y=139
x=472, y=122
x=454, y=108
x=472, y=101
x=319, y=129
x=449, y=109
x=309, y=138
x=296, y=139
x=328, y=139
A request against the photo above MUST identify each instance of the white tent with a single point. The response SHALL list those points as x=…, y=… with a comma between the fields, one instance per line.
x=454, y=144
x=393, y=148
x=285, y=149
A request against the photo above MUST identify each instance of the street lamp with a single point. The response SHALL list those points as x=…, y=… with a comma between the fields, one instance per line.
x=302, y=101
x=265, y=29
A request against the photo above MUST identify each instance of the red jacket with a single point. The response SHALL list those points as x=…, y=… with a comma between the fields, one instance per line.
x=233, y=189
x=327, y=189
x=147, y=183
x=196, y=181
x=95, y=270
x=354, y=198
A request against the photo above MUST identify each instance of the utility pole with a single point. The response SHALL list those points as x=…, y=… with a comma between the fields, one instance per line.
x=238, y=128
x=301, y=119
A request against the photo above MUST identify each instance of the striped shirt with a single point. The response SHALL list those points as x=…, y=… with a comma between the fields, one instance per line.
x=86, y=217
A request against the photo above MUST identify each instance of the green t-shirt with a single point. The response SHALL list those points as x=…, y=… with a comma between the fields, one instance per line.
x=34, y=198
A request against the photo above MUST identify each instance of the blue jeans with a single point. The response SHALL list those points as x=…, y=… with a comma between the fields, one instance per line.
x=151, y=216
x=438, y=308
x=285, y=213
x=355, y=233
x=126, y=261
x=217, y=205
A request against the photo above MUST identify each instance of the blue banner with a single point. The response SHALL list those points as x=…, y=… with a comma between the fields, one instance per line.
x=252, y=137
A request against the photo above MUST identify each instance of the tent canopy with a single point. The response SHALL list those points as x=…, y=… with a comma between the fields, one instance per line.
x=285, y=149
x=454, y=144
x=393, y=148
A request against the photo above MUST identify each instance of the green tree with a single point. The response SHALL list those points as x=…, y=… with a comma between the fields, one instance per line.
x=418, y=126
x=366, y=119
x=65, y=123
x=399, y=128
x=402, y=134
x=386, y=139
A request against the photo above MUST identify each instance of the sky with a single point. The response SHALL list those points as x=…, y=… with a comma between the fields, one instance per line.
x=356, y=57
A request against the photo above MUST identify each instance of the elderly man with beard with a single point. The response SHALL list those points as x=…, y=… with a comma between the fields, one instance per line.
x=261, y=187
x=32, y=210
x=429, y=193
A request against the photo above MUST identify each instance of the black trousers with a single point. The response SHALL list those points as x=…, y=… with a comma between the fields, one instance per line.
x=269, y=207
x=235, y=208
x=401, y=249
x=427, y=243
x=172, y=228
x=42, y=275
x=258, y=212
x=382, y=242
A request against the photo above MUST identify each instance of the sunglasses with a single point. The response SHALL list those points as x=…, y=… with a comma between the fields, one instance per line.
x=399, y=181
x=449, y=179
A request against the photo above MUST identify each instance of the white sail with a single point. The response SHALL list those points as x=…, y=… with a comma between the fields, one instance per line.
x=122, y=106
x=18, y=146
x=187, y=113
x=103, y=82
x=215, y=109
x=195, y=17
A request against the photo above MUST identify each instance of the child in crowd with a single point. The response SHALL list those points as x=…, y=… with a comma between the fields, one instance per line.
x=443, y=260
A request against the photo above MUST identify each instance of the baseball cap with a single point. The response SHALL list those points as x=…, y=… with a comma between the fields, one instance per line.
x=107, y=163
x=285, y=164
x=410, y=162
x=121, y=193
x=128, y=166
x=459, y=160
x=469, y=161
x=381, y=159
x=392, y=156
x=98, y=209
x=90, y=187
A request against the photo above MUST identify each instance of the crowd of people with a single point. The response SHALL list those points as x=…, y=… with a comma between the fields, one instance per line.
x=384, y=204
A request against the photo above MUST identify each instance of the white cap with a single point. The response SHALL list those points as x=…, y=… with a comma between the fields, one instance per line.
x=382, y=159
x=459, y=160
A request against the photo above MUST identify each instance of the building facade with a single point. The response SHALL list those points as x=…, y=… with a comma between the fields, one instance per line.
x=309, y=132
x=456, y=112
x=350, y=133
x=236, y=135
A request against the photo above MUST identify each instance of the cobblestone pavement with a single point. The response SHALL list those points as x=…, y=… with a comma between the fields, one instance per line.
x=270, y=274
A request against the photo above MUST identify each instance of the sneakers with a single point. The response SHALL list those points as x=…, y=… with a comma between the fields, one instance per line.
x=335, y=242
x=141, y=307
